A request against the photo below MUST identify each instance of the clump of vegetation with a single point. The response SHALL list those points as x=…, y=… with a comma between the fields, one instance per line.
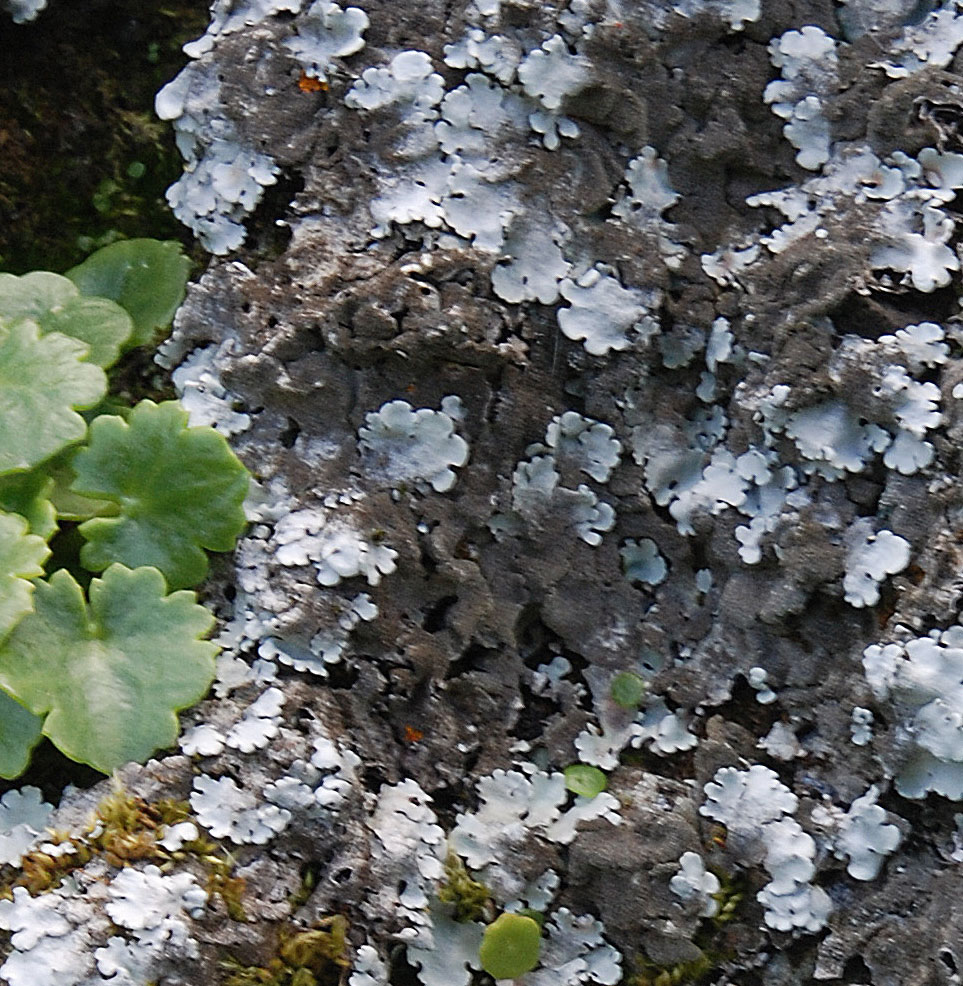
x=469, y=899
x=123, y=829
x=628, y=689
x=90, y=486
x=316, y=957
x=649, y=973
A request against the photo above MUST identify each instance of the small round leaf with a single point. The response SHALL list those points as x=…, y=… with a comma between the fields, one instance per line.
x=109, y=677
x=510, y=946
x=584, y=779
x=179, y=490
x=628, y=689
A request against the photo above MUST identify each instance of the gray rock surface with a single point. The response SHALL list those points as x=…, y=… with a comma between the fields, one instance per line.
x=499, y=232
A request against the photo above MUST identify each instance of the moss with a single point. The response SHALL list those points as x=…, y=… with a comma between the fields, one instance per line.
x=471, y=900
x=651, y=974
x=729, y=896
x=710, y=938
x=123, y=830
x=224, y=884
x=316, y=957
x=309, y=880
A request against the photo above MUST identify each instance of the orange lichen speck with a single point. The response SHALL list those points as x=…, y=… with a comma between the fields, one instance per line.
x=308, y=83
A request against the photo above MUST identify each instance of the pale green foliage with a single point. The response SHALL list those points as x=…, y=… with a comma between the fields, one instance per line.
x=21, y=558
x=104, y=678
x=179, y=490
x=43, y=380
x=585, y=780
x=109, y=677
x=56, y=305
x=145, y=277
x=20, y=731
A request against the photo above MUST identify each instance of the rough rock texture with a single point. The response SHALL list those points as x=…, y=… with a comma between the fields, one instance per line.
x=710, y=442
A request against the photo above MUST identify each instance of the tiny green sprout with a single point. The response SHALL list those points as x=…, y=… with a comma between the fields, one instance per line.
x=510, y=946
x=627, y=689
x=583, y=779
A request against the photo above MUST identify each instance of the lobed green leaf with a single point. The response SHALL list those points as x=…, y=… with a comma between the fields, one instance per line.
x=20, y=731
x=179, y=490
x=56, y=305
x=109, y=677
x=21, y=559
x=42, y=380
x=29, y=494
x=145, y=277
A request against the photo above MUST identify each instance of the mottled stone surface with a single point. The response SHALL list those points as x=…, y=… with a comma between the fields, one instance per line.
x=452, y=680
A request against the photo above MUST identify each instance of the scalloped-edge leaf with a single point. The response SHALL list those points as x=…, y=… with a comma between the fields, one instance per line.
x=145, y=277
x=42, y=380
x=110, y=676
x=68, y=504
x=21, y=559
x=56, y=305
x=28, y=494
x=20, y=731
x=180, y=490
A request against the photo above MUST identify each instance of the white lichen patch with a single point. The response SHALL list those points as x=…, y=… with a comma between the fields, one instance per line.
x=224, y=179
x=228, y=811
x=755, y=806
x=870, y=558
x=603, y=315
x=862, y=834
x=409, y=851
x=402, y=445
x=807, y=59
x=923, y=677
x=23, y=822
x=551, y=73
x=327, y=32
x=642, y=561
x=202, y=394
x=695, y=882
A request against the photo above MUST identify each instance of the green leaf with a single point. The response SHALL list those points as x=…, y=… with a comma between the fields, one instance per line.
x=627, y=689
x=70, y=505
x=33, y=295
x=56, y=305
x=179, y=489
x=583, y=779
x=42, y=379
x=109, y=677
x=145, y=277
x=21, y=558
x=20, y=731
x=510, y=946
x=28, y=494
